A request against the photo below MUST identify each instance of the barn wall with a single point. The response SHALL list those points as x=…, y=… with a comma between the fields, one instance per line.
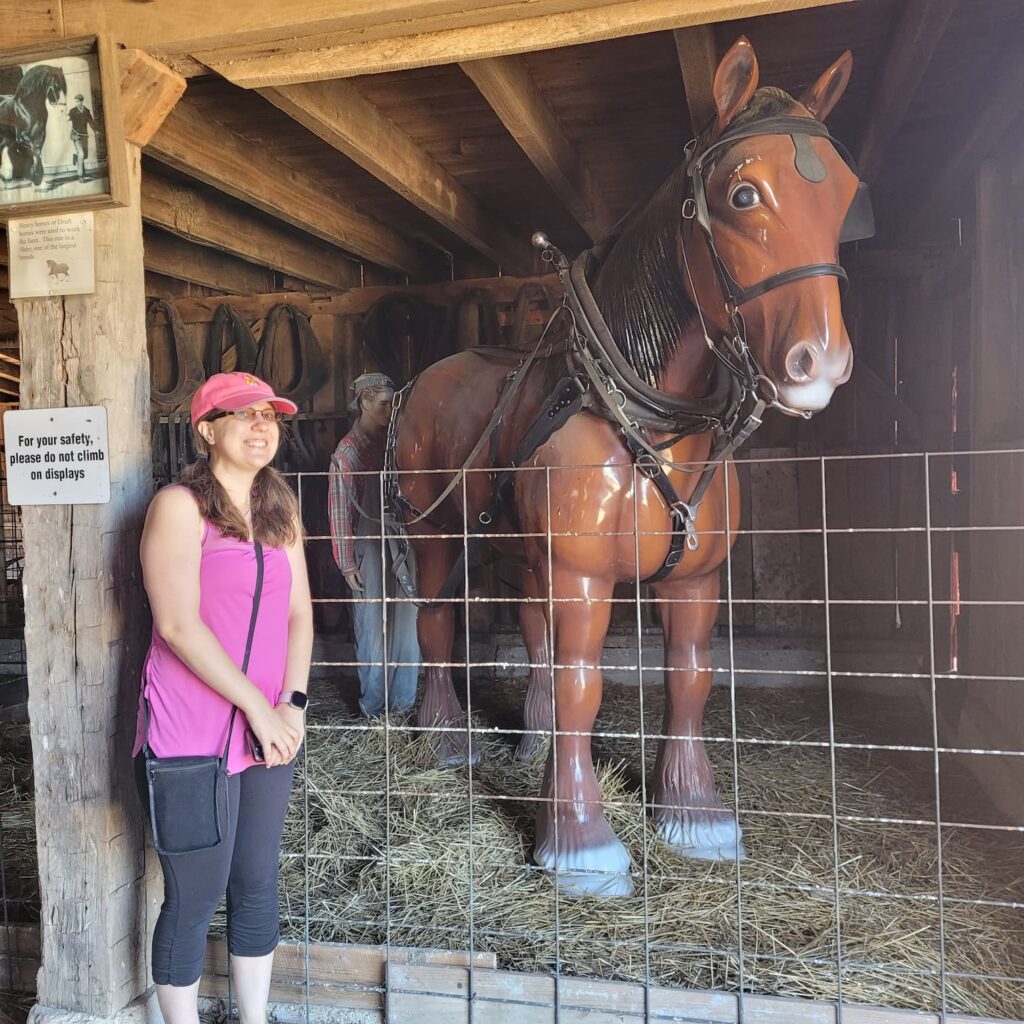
x=986, y=712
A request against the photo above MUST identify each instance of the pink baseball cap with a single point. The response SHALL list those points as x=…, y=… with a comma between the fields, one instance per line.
x=231, y=391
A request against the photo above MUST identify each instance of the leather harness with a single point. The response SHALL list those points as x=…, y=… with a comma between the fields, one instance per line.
x=601, y=381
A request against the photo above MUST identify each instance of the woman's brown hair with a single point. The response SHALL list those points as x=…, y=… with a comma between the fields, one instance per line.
x=275, y=510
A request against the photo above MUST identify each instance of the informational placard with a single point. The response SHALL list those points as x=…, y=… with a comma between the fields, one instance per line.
x=57, y=456
x=52, y=256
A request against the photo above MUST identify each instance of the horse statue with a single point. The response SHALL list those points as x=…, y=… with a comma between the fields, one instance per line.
x=606, y=458
x=23, y=118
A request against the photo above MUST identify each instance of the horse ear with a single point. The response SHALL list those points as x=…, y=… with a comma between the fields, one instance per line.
x=826, y=92
x=735, y=82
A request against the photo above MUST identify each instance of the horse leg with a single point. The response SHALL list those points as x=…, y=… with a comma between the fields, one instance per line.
x=574, y=838
x=690, y=816
x=537, y=712
x=435, y=625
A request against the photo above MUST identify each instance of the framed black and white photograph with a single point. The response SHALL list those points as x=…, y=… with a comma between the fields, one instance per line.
x=61, y=143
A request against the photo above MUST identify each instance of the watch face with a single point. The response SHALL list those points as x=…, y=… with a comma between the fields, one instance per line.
x=298, y=700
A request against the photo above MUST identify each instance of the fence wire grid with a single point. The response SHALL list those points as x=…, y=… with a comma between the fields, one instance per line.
x=882, y=838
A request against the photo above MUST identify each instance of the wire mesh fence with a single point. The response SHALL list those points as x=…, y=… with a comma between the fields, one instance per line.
x=860, y=728
x=880, y=851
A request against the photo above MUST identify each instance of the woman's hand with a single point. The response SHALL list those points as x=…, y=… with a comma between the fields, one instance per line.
x=295, y=719
x=278, y=737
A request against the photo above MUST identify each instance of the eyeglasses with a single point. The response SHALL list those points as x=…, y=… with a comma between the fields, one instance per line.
x=251, y=415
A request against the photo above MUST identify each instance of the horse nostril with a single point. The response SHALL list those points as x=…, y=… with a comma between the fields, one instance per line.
x=802, y=362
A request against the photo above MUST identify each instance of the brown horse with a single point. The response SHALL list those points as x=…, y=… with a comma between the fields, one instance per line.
x=768, y=210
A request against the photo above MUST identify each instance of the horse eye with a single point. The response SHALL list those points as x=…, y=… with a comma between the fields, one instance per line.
x=744, y=197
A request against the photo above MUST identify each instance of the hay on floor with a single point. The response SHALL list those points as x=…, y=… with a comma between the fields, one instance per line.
x=415, y=867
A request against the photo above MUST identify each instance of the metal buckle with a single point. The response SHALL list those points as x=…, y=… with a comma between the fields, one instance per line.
x=689, y=208
x=647, y=464
x=687, y=516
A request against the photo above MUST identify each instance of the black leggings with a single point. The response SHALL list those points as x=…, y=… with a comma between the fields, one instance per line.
x=245, y=864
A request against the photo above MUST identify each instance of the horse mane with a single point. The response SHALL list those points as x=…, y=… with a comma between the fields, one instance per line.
x=38, y=79
x=639, y=287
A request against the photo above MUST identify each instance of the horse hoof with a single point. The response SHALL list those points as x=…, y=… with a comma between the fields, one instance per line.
x=601, y=871
x=716, y=839
x=457, y=749
x=530, y=745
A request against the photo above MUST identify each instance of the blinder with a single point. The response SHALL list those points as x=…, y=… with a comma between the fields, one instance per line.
x=858, y=224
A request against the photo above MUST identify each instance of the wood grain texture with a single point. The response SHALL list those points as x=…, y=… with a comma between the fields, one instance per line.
x=205, y=150
x=338, y=113
x=516, y=28
x=506, y=84
x=85, y=633
x=439, y=995
x=921, y=27
x=200, y=216
x=149, y=91
x=172, y=256
x=698, y=61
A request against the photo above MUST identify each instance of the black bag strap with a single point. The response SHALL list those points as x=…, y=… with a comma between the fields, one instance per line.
x=257, y=593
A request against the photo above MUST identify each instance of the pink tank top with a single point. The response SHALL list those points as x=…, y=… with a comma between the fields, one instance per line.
x=188, y=717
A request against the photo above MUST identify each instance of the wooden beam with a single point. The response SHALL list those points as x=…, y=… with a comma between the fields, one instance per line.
x=172, y=256
x=698, y=61
x=190, y=142
x=999, y=121
x=86, y=632
x=31, y=21
x=149, y=91
x=340, y=115
x=482, y=30
x=192, y=26
x=357, y=301
x=911, y=46
x=6, y=357
x=507, y=86
x=200, y=217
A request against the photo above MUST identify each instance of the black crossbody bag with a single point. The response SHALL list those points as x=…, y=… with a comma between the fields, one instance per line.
x=188, y=796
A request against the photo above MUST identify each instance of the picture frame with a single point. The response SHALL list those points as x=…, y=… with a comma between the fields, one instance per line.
x=61, y=132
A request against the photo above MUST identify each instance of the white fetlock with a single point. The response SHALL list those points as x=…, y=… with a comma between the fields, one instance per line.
x=718, y=838
x=602, y=871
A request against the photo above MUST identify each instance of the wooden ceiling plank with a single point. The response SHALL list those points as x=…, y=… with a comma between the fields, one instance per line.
x=412, y=45
x=187, y=25
x=174, y=257
x=199, y=217
x=149, y=91
x=698, y=61
x=192, y=143
x=340, y=115
x=910, y=51
x=999, y=122
x=506, y=84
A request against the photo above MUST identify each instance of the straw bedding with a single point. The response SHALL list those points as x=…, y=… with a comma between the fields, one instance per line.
x=416, y=868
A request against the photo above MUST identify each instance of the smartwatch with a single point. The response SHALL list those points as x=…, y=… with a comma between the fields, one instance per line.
x=294, y=698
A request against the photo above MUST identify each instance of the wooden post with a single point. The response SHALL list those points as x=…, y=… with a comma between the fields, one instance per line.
x=85, y=635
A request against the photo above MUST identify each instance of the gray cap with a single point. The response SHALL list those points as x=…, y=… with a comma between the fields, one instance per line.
x=79, y=96
x=364, y=382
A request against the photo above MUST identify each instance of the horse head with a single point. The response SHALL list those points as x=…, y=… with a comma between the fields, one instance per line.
x=44, y=81
x=772, y=200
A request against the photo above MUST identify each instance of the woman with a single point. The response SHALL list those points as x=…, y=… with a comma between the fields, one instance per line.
x=199, y=566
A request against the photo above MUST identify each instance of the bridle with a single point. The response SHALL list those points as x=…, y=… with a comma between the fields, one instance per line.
x=732, y=349
x=632, y=403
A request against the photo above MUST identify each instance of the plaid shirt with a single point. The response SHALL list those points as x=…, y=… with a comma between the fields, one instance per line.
x=356, y=453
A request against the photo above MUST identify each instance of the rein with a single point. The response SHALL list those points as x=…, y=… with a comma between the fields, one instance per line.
x=608, y=385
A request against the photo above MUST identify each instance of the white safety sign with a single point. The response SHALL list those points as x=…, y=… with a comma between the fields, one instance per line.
x=57, y=456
